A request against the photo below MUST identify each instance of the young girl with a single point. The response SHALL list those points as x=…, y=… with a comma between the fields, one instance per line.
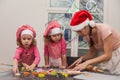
x=27, y=53
x=55, y=46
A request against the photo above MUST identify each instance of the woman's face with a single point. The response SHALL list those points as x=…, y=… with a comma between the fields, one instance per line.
x=84, y=31
x=26, y=40
x=56, y=37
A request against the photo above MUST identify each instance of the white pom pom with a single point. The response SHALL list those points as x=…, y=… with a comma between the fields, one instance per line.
x=92, y=23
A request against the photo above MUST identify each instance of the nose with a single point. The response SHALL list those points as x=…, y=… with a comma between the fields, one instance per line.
x=26, y=40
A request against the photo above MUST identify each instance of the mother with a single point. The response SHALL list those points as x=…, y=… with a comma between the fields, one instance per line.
x=100, y=37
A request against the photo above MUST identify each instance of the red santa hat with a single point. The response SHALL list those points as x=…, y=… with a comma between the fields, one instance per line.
x=25, y=29
x=53, y=28
x=81, y=19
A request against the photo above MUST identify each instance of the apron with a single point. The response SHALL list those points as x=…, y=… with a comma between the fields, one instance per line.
x=113, y=65
x=55, y=62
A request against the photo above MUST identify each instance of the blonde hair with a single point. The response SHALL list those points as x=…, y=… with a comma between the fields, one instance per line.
x=19, y=43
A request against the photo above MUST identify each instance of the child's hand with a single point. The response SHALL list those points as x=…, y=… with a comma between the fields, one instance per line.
x=28, y=68
x=46, y=66
x=62, y=67
x=32, y=66
x=15, y=69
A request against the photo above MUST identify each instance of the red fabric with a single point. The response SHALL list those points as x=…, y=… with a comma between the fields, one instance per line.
x=27, y=56
x=24, y=27
x=55, y=49
x=51, y=25
x=79, y=17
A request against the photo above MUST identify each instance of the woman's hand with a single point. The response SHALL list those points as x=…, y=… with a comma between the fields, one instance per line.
x=81, y=66
x=78, y=61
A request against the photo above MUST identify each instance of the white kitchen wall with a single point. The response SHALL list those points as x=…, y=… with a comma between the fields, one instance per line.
x=112, y=13
x=14, y=13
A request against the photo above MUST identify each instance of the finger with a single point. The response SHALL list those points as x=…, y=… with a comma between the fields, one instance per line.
x=71, y=66
x=17, y=71
x=14, y=71
x=78, y=63
x=74, y=69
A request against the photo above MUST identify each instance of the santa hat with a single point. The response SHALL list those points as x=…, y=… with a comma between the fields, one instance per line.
x=25, y=29
x=53, y=28
x=81, y=19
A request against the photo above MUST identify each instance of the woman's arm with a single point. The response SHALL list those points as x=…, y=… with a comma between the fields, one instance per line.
x=91, y=54
x=107, y=54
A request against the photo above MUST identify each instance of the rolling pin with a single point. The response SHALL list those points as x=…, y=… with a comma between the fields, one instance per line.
x=94, y=69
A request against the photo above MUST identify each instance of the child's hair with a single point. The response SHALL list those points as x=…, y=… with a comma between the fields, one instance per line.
x=47, y=39
x=19, y=31
x=53, y=27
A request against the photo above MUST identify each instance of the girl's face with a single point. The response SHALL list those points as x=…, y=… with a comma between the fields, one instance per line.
x=84, y=31
x=56, y=37
x=26, y=40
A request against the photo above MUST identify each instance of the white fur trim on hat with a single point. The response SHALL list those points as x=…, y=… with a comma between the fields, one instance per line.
x=55, y=31
x=27, y=32
x=92, y=23
x=82, y=25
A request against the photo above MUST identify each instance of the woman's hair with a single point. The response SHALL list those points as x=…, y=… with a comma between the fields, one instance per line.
x=34, y=42
x=47, y=39
x=90, y=34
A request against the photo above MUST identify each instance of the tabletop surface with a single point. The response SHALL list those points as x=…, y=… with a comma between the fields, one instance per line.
x=8, y=75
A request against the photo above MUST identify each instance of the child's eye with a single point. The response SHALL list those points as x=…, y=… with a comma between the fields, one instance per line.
x=54, y=35
x=29, y=38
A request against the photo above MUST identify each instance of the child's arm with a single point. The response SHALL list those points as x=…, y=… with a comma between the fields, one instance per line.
x=46, y=58
x=64, y=61
x=63, y=57
x=15, y=60
x=37, y=55
x=15, y=66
